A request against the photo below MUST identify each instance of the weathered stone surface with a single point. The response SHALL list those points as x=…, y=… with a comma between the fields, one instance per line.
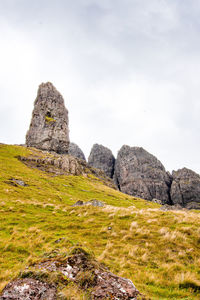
x=56, y=164
x=141, y=174
x=78, y=267
x=167, y=207
x=16, y=182
x=156, y=201
x=93, y=202
x=193, y=205
x=75, y=151
x=28, y=289
x=185, y=188
x=103, y=159
x=87, y=273
x=49, y=125
x=63, y=164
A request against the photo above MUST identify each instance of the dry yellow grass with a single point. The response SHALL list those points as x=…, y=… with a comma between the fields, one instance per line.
x=158, y=251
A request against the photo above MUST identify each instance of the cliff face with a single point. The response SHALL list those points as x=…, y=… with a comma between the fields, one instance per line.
x=49, y=124
x=185, y=189
x=103, y=159
x=135, y=171
x=141, y=174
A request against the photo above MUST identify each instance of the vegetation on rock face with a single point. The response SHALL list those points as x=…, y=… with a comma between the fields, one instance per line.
x=158, y=251
x=49, y=119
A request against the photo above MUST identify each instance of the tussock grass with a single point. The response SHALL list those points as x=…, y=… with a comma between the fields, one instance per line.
x=159, y=251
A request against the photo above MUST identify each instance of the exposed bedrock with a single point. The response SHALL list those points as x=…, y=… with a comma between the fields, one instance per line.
x=139, y=173
x=75, y=151
x=49, y=124
x=185, y=189
x=103, y=159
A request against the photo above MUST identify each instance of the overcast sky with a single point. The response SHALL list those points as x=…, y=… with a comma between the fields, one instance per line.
x=129, y=71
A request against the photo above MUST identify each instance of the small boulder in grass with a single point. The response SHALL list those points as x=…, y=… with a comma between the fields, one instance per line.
x=93, y=202
x=78, y=203
x=16, y=182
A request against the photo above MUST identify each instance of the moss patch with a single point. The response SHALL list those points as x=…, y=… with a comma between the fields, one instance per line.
x=49, y=119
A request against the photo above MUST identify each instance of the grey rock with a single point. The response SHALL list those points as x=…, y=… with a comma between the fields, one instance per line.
x=193, y=205
x=49, y=125
x=79, y=203
x=16, y=182
x=167, y=207
x=75, y=151
x=20, y=182
x=92, y=202
x=157, y=201
x=56, y=163
x=139, y=173
x=63, y=164
x=95, y=203
x=185, y=189
x=28, y=289
x=102, y=284
x=103, y=159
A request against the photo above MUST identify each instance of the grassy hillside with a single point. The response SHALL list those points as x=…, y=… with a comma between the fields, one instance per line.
x=159, y=251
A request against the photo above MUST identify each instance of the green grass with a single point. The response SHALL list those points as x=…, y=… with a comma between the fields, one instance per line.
x=158, y=251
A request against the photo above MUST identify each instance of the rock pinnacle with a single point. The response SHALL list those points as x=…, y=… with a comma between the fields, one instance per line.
x=49, y=124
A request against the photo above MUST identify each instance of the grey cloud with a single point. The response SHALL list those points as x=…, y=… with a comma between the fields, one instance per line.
x=128, y=70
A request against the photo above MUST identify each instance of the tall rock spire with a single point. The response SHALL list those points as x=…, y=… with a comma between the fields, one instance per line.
x=49, y=124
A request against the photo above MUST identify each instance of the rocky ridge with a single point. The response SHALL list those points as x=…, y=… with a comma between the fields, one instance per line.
x=136, y=172
x=62, y=164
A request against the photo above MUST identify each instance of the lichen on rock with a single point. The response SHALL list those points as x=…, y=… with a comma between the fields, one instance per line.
x=45, y=278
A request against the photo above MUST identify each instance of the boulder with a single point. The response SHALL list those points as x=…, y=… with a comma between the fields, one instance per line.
x=49, y=125
x=75, y=151
x=103, y=159
x=139, y=173
x=185, y=188
x=29, y=289
x=79, y=268
x=16, y=182
x=93, y=202
x=157, y=201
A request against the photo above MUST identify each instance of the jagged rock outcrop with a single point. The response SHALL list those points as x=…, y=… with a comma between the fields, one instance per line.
x=141, y=174
x=103, y=159
x=185, y=188
x=63, y=164
x=75, y=151
x=49, y=125
x=81, y=269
